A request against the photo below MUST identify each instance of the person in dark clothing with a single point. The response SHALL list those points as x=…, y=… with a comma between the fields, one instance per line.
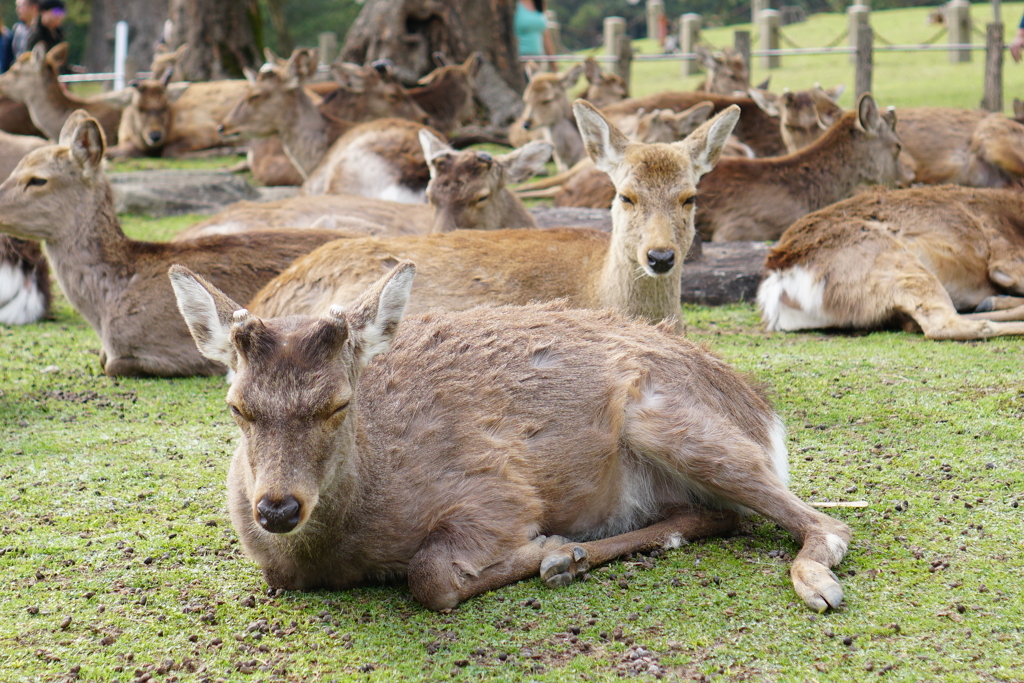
x=47, y=28
x=28, y=12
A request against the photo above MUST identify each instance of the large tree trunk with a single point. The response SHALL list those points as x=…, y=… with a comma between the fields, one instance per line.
x=223, y=36
x=408, y=32
x=145, y=22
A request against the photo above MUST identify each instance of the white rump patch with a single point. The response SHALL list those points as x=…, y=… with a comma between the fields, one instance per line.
x=21, y=302
x=791, y=300
x=837, y=548
x=674, y=541
x=778, y=451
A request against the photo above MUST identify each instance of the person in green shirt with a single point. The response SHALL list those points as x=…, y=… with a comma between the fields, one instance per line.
x=530, y=26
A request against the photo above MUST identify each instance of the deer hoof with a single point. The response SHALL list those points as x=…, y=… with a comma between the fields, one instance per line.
x=563, y=565
x=816, y=585
x=987, y=305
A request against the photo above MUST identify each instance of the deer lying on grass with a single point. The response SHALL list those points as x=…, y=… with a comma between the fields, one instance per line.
x=727, y=71
x=380, y=158
x=804, y=116
x=32, y=79
x=446, y=94
x=603, y=88
x=467, y=190
x=24, y=282
x=558, y=440
x=548, y=115
x=756, y=199
x=756, y=129
x=911, y=257
x=635, y=270
x=59, y=194
x=370, y=92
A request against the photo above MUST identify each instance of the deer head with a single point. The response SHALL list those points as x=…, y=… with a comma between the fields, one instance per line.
x=666, y=125
x=380, y=90
x=727, y=71
x=273, y=94
x=152, y=108
x=546, y=96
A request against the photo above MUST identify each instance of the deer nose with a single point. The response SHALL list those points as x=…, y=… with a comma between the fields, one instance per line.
x=526, y=124
x=661, y=261
x=220, y=129
x=155, y=136
x=278, y=516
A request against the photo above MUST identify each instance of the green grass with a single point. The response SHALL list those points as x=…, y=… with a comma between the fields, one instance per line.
x=901, y=79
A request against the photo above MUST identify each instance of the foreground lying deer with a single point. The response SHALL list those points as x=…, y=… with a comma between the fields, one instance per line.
x=912, y=257
x=756, y=199
x=484, y=447
x=636, y=270
x=59, y=194
x=32, y=79
x=467, y=190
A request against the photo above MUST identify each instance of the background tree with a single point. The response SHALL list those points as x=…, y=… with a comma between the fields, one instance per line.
x=222, y=36
x=145, y=25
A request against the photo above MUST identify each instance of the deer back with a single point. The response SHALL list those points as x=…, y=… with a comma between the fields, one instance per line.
x=370, y=92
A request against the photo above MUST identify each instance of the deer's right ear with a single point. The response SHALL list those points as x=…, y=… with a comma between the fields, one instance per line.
x=208, y=312
x=57, y=55
x=868, y=118
x=250, y=75
x=604, y=142
x=526, y=161
x=433, y=146
x=39, y=54
x=374, y=317
x=531, y=69
x=83, y=135
x=704, y=145
x=764, y=100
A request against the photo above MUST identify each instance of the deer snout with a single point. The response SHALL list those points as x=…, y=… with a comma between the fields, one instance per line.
x=661, y=260
x=155, y=136
x=527, y=123
x=278, y=516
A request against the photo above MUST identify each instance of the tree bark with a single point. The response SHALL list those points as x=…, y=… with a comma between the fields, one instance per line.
x=145, y=22
x=408, y=32
x=223, y=37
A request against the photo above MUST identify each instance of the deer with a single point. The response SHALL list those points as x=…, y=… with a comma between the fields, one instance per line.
x=467, y=190
x=727, y=72
x=369, y=92
x=146, y=122
x=446, y=94
x=32, y=79
x=548, y=115
x=804, y=116
x=756, y=129
x=25, y=295
x=603, y=88
x=380, y=158
x=757, y=199
x=60, y=196
x=557, y=441
x=947, y=261
x=15, y=119
x=635, y=270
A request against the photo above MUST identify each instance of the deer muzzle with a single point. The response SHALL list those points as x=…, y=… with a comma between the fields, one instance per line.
x=661, y=260
x=278, y=515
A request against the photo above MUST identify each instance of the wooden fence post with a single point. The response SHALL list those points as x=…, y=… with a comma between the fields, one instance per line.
x=327, y=43
x=613, y=28
x=741, y=41
x=958, y=23
x=625, y=58
x=756, y=7
x=655, y=12
x=768, y=27
x=862, y=76
x=993, y=97
x=858, y=18
x=689, y=36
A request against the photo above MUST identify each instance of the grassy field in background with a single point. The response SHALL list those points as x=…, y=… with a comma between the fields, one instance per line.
x=118, y=561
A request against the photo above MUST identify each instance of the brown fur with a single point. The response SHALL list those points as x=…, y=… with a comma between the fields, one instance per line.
x=367, y=93
x=635, y=270
x=15, y=119
x=804, y=116
x=25, y=295
x=120, y=285
x=488, y=446
x=962, y=146
x=145, y=123
x=908, y=256
x=547, y=115
x=447, y=94
x=13, y=148
x=756, y=199
x=32, y=79
x=603, y=88
x=755, y=128
x=727, y=72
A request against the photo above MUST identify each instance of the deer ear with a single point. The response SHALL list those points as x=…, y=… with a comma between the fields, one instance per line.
x=705, y=58
x=349, y=76
x=250, y=75
x=57, y=55
x=704, y=145
x=440, y=59
x=473, y=63
x=166, y=78
x=433, y=146
x=571, y=76
x=686, y=121
x=272, y=57
x=592, y=70
x=764, y=100
x=867, y=113
x=526, y=161
x=604, y=142
x=374, y=317
x=208, y=312
x=39, y=54
x=83, y=135
x=301, y=66
x=532, y=69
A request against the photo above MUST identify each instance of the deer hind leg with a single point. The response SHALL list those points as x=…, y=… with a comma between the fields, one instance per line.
x=713, y=461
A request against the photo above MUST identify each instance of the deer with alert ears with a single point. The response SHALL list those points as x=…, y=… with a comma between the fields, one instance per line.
x=60, y=195
x=469, y=450
x=636, y=270
x=548, y=115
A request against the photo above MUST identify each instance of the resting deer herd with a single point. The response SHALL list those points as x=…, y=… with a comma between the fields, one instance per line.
x=482, y=400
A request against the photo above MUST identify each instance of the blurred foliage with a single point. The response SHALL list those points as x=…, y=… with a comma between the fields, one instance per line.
x=306, y=19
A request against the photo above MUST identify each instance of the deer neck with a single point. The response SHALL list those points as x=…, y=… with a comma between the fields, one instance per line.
x=92, y=258
x=567, y=142
x=49, y=105
x=508, y=212
x=827, y=171
x=623, y=285
x=304, y=135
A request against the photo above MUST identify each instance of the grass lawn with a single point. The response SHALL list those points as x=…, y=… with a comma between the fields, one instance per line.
x=117, y=559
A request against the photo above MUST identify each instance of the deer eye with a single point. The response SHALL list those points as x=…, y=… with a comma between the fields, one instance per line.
x=36, y=181
x=481, y=199
x=236, y=413
x=339, y=409
x=688, y=201
x=625, y=200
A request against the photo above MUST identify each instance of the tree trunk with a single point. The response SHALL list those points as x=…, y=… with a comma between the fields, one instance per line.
x=145, y=22
x=408, y=32
x=222, y=37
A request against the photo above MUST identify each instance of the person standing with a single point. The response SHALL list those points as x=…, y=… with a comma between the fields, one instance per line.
x=28, y=12
x=47, y=28
x=531, y=28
